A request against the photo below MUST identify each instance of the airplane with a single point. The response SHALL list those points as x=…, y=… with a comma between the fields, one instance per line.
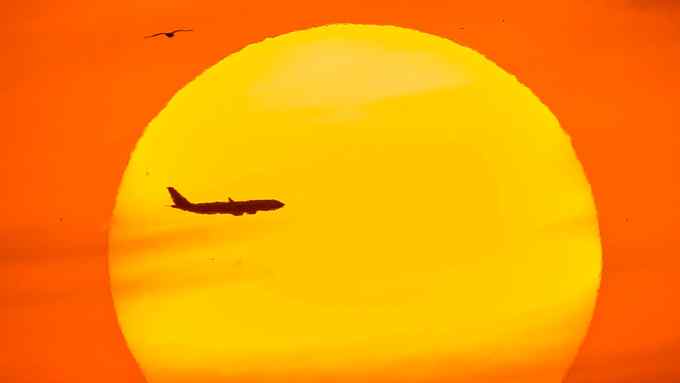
x=231, y=207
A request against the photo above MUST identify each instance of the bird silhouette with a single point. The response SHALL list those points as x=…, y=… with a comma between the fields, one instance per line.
x=169, y=34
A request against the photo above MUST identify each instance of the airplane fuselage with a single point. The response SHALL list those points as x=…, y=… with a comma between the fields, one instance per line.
x=233, y=208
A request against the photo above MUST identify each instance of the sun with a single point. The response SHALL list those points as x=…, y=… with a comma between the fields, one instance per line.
x=437, y=225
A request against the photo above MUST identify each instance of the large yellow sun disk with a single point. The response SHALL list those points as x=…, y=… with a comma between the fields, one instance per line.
x=437, y=222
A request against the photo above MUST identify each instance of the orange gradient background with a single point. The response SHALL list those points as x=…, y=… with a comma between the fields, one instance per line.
x=79, y=84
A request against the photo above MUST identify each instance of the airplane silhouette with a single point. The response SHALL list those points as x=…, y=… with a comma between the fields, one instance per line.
x=169, y=34
x=231, y=207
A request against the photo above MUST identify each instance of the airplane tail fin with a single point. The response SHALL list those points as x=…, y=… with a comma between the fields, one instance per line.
x=177, y=198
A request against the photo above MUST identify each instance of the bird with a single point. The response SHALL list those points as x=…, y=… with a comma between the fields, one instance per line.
x=169, y=34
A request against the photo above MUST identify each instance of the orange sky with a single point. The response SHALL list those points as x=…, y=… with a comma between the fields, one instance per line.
x=79, y=83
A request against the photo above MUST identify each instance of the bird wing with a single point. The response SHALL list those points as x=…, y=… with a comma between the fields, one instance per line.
x=154, y=35
x=182, y=30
